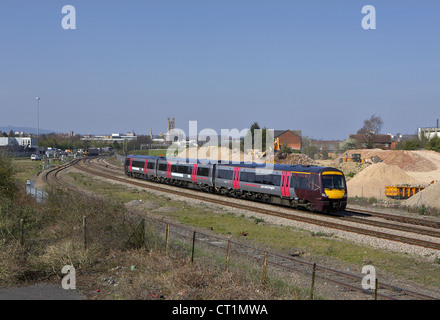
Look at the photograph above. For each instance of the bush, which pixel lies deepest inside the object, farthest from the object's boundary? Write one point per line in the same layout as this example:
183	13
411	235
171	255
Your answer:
8	182
433	144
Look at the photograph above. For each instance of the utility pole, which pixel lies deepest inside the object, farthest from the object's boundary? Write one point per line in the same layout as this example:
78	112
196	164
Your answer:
38	117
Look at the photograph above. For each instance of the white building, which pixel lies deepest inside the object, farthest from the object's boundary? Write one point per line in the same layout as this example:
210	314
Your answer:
26	142
429	133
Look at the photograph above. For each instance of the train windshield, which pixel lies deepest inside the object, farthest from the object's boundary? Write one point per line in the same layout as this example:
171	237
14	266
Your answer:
333	182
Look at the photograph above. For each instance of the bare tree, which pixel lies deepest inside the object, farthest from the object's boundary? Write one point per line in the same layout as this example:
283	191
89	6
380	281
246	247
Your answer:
371	127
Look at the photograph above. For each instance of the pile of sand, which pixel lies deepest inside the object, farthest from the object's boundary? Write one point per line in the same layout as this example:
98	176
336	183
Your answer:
351	169
404	159
371	181
429	197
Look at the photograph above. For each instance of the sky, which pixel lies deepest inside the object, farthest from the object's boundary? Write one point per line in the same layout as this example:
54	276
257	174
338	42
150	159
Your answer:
287	64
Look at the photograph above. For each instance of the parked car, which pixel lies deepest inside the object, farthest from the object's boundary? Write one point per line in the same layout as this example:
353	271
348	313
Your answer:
35	157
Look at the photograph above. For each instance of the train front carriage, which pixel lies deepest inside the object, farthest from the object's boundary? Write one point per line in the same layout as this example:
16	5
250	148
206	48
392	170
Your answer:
333	191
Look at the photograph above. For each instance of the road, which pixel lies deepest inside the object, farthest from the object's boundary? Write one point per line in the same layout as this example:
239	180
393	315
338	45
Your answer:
41	291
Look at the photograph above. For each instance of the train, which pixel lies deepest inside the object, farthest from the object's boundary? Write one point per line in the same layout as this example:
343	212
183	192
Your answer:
91	152
315	188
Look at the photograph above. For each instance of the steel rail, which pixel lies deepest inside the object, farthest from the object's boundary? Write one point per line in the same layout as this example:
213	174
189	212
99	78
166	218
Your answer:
289	216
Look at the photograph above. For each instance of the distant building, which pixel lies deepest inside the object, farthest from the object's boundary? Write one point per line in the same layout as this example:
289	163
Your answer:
381	141
23	142
118	137
289	138
172	134
331	146
429	133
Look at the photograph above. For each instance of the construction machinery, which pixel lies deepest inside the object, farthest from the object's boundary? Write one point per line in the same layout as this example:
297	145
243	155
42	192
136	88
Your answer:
405	191
357	157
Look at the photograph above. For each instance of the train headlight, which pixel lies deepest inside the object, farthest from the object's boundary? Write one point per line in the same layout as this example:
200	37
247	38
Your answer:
324	195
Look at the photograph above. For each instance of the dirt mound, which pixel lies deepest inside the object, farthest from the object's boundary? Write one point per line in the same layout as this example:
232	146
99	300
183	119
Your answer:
429	197
294	158
351	169
371	181
404	159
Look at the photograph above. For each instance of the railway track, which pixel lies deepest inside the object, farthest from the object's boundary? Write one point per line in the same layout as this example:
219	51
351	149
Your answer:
340	279
397	218
315	219
356	215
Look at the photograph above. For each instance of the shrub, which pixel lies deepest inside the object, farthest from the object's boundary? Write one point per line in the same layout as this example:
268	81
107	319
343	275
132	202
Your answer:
8	182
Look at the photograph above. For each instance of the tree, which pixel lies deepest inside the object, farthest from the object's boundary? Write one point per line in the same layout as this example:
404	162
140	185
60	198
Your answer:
311	151
250	135
347	145
371	127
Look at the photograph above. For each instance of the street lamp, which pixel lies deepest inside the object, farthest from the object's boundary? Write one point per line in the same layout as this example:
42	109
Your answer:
38	108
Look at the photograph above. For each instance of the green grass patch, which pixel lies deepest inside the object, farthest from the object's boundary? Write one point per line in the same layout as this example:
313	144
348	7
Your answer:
324	246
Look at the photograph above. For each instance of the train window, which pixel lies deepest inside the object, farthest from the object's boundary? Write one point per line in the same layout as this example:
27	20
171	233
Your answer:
184	169
204	172
127	161
301	182
225	174
150	165
332	182
163	166
247	176
275	179
138	164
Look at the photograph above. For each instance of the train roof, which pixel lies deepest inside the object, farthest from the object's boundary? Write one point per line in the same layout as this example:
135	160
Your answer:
283	167
186	160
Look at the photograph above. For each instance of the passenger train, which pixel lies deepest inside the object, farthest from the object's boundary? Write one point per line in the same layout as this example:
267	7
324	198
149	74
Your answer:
319	189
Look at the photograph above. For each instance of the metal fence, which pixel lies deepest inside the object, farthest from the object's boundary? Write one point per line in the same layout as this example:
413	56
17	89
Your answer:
308	280
305	279
40	195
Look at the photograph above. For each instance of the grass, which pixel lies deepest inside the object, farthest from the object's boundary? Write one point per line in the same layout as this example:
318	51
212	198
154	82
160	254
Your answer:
322	247
57	227
26	168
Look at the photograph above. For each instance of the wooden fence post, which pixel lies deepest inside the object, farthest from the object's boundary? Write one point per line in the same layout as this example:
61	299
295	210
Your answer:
313	281
167	238
143	228
264	267
375	290
227	256
21	232
193	245
84	233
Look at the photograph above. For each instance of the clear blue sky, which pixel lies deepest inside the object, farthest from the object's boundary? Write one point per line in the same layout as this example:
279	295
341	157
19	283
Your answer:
302	65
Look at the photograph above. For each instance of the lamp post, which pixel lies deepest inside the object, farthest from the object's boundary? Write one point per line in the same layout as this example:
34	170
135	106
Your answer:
38	116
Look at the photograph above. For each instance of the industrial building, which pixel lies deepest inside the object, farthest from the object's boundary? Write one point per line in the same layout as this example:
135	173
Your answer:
23	142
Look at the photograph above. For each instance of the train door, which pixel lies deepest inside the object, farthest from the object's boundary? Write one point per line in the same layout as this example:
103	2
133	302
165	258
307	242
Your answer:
145	166
236	178
169	170
194	172
285	183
